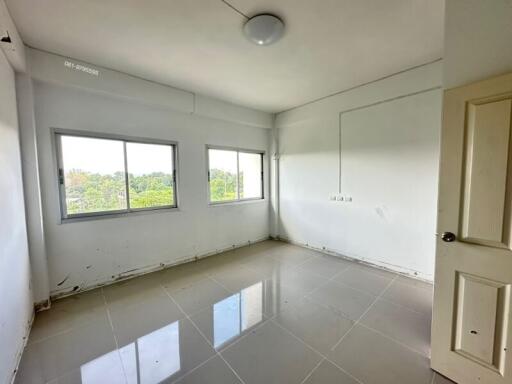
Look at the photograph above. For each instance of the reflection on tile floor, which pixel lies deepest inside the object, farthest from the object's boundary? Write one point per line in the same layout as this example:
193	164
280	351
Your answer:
267	313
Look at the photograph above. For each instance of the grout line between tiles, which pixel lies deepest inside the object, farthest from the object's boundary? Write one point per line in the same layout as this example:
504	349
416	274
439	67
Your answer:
63	332
312	371
339	273
361	324
116	341
283	267
230	367
348	331
324	357
59	333
246	334
217	353
354	288
222	285
357	322
395	340
407	308
364	313
195	368
380	296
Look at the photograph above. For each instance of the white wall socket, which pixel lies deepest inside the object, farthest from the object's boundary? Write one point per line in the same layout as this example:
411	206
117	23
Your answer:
341	198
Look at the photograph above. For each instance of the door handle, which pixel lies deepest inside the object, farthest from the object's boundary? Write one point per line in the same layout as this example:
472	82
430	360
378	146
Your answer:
448	237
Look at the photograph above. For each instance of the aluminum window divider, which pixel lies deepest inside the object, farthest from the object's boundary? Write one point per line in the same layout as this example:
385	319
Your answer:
238	175
126	181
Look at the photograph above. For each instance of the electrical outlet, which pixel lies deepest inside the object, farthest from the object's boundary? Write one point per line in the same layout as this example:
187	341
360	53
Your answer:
339	198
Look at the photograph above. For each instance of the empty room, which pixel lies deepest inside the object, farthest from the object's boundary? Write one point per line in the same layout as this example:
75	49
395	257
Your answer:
255	191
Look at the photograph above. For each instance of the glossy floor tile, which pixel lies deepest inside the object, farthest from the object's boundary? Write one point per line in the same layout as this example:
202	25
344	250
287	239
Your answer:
401	324
364	280
199	295
415	295
271	355
328	373
165	354
316	325
55	356
439	379
237	278
349	302
214	371
228	319
376	359
67	314
267	313
325	266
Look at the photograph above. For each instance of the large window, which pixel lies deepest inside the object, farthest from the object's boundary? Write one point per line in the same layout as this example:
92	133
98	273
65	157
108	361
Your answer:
234	175
103	175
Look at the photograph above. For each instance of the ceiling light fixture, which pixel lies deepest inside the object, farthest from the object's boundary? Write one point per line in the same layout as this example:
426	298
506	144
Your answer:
264	29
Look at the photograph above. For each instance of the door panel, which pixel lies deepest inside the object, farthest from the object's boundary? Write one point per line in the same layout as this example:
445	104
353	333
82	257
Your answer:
485	182
481	307
471	329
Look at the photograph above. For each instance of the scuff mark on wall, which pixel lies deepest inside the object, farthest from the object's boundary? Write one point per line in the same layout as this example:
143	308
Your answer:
63	281
93	284
381	212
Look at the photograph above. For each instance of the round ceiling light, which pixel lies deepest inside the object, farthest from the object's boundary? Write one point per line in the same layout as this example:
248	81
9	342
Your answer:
264	29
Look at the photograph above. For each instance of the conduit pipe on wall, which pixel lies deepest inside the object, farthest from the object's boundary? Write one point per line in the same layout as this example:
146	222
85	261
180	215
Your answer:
274	180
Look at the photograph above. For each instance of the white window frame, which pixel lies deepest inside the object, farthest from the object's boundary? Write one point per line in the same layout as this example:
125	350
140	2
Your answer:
65	217
238	151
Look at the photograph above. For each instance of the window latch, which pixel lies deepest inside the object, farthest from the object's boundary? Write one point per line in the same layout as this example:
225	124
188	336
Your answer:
61	176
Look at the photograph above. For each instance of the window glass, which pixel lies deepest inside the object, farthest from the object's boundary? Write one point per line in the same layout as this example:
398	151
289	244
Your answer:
250	175
95	172
223	175
94	176
234	175
150	175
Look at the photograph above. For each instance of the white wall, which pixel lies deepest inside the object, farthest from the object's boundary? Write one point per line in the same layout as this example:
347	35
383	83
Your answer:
94	252
478	36
389	166
16	311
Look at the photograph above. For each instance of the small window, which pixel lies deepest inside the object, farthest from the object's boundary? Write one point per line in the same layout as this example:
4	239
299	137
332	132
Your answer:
103	175
234	175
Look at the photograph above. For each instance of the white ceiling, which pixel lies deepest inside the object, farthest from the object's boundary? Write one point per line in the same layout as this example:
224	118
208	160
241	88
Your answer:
198	45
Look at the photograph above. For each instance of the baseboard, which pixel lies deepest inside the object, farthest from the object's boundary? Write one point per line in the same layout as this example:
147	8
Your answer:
385	267
42	305
19	353
148	269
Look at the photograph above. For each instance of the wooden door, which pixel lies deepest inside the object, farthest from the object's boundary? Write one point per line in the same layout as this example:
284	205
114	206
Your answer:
471	329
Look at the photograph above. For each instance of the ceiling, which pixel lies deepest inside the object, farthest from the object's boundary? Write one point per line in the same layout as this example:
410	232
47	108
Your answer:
198	45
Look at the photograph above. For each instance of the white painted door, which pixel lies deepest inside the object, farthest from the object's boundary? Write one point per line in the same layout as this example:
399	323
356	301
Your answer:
471	330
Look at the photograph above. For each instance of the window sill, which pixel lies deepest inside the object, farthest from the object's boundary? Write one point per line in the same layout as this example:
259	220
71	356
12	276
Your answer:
116	215
236	202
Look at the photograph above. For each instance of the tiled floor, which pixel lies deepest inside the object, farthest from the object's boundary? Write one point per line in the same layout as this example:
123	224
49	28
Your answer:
268	313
